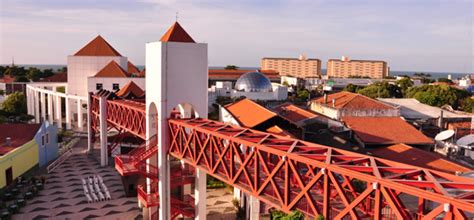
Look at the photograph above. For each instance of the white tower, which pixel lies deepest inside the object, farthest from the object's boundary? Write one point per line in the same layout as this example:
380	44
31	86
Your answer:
176	78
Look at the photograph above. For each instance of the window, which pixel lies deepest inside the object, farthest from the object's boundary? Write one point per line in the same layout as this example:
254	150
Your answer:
98	86
42	140
115	86
47	138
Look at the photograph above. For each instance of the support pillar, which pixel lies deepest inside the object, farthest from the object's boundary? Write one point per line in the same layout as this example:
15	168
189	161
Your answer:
89	125
68	113
79	115
43	106
200	194
254	205
103	131
163	166
50	109
58	112
37	110
28	101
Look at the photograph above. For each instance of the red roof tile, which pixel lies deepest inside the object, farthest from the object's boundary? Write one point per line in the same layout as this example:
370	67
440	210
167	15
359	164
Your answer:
176	33
349	100
112	70
58	77
132	69
385	130
279	131
293	113
130	89
249	113
7	79
98	47
406	154
20	134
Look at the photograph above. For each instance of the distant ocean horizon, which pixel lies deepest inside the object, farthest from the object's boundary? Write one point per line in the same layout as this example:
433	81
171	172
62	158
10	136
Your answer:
434	75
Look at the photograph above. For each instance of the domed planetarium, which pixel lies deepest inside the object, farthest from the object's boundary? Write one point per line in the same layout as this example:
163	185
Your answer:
253	85
253	82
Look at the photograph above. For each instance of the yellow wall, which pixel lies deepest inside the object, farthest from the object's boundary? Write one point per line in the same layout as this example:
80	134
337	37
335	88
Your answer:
20	159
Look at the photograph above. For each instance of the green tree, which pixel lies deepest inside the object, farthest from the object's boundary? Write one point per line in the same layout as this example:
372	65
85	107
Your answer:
445	80
21	79
302	94
231	67
381	90
404	84
438	95
352	88
468	104
15	104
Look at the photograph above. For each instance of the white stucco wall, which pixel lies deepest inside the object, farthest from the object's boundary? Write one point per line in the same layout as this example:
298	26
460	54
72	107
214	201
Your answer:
107	82
82	67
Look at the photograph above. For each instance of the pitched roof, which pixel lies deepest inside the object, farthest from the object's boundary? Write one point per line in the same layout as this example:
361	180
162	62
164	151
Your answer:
131	89
97	47
410	155
131	68
248	113
176	33
293	113
279	131
7	79
19	133
385	130
112	69
349	100
58	77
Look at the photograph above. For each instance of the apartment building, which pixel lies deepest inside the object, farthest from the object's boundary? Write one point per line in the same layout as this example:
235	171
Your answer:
299	67
346	68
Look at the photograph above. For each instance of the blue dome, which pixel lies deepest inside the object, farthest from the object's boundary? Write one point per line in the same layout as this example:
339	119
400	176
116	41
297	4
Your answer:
253	82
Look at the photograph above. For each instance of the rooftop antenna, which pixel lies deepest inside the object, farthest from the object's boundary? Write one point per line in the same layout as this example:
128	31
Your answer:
13	61
177	16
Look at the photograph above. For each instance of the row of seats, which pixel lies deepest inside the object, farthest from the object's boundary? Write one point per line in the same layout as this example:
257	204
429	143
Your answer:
94	189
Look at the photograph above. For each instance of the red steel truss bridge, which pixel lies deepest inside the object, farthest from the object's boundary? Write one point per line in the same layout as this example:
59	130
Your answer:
291	174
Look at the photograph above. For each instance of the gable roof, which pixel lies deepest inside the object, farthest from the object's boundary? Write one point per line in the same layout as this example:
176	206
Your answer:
349	100
385	130
97	47
410	155
20	134
112	69
7	79
279	131
248	113
293	113
132	69
131	90
176	33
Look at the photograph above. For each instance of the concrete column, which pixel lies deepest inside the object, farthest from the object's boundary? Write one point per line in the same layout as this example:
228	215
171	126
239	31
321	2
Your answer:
89	125
163	166
103	131
58	112
28	101
79	114
43	106
254	205
68	113
186	188
200	194
37	110
50	109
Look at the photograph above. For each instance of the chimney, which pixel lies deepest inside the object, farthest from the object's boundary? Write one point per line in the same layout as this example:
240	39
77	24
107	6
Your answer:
333	103
8	141
440	120
325	98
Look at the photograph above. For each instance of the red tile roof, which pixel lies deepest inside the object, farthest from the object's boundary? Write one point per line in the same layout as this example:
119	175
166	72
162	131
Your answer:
406	154
130	89
98	47
20	134
385	130
279	131
349	100
112	70
249	113
293	113
58	77
176	33
7	79
132	68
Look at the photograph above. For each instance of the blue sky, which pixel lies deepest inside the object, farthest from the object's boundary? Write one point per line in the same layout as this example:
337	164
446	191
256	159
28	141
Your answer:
424	35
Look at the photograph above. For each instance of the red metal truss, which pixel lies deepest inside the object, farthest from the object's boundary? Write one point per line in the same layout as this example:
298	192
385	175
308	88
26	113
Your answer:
126	115
291	174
